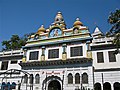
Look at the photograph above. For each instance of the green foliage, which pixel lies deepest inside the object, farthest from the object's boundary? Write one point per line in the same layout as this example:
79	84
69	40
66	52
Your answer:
15	42
114	20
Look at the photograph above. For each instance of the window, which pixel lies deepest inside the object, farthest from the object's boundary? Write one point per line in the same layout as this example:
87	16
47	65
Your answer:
112	57
70	78
76	51
37	79
4	65
97	86
25	78
13	86
33	55
100	58
84	78
54	53
14	62
77	78
31	79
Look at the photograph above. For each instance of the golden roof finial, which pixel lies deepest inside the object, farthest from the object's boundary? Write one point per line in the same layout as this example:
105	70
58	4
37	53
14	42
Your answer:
59	17
41	30
77	22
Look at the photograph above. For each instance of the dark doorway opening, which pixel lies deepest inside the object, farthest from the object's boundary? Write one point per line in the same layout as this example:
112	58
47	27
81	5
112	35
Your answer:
106	86
97	86
54	85
116	86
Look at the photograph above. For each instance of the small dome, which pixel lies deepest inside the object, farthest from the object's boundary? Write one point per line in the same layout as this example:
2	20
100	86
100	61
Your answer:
59	17
77	22
41	30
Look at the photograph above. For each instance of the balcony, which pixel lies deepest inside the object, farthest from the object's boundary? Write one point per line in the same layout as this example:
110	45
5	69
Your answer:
107	40
11	53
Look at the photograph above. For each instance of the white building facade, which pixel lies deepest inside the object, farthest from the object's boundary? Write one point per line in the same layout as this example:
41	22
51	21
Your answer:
61	58
106	63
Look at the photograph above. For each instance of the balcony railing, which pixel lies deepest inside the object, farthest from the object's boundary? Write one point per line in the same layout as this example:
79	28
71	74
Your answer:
103	40
11	52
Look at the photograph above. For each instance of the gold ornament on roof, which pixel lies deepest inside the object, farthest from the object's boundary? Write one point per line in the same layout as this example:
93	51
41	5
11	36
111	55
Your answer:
59	17
77	22
41	30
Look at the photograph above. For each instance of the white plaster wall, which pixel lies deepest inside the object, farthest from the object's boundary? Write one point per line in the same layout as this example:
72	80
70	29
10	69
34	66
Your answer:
14	66
106	64
66	86
108	76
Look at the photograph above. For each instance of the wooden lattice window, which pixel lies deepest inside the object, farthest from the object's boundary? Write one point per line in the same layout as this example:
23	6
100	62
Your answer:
31	79
53	53
112	57
76	51
84	78
70	78
100	57
37	79
77	78
34	55
26	78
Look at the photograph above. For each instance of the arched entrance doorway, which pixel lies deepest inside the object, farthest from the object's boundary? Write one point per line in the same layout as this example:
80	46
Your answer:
106	86
116	86
97	86
54	85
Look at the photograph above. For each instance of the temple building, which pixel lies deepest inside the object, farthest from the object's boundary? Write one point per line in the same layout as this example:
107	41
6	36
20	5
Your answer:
61	58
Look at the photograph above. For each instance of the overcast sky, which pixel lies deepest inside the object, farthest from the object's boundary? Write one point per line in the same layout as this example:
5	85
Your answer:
26	16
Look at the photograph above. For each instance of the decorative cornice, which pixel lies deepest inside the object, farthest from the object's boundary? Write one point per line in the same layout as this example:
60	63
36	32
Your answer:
58	42
56	62
100	47
11	57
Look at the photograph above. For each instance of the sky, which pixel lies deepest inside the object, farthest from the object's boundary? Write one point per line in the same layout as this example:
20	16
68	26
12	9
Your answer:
25	16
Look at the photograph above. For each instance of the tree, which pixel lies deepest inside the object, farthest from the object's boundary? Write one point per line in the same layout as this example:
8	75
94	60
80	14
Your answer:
6	44
114	20
15	42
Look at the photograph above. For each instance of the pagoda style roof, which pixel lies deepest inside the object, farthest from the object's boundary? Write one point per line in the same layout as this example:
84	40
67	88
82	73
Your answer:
58	63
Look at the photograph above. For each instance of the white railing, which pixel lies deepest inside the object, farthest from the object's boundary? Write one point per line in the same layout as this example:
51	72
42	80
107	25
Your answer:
11	52
103	40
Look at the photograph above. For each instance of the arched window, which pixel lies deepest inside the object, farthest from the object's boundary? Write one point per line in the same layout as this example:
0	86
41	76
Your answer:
84	78
116	86
26	78
77	78
37	79
106	86
13	85
70	78
31	78
97	86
